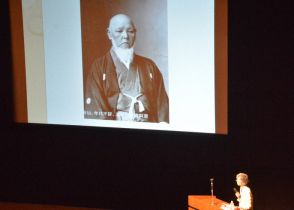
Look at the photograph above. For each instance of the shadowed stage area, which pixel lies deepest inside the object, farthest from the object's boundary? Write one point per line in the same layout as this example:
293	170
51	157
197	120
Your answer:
25	206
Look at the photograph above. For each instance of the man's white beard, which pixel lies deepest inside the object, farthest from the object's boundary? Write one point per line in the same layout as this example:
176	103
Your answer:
124	55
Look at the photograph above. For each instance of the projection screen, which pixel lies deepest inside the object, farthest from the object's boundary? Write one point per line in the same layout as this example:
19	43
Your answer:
57	42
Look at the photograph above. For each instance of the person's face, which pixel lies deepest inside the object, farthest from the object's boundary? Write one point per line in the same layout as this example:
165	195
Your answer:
239	181
122	32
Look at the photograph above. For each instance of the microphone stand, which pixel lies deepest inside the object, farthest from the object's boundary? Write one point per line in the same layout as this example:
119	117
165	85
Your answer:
212	198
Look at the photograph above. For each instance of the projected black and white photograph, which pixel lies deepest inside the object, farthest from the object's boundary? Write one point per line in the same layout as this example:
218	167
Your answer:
155	65
125	60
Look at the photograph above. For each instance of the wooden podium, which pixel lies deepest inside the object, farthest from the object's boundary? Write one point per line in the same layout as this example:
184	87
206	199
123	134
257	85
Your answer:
204	202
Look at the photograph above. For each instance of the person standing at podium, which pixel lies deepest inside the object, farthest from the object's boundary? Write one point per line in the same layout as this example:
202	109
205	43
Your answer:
244	196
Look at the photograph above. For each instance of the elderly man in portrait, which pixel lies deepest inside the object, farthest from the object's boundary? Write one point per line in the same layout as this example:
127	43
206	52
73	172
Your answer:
122	85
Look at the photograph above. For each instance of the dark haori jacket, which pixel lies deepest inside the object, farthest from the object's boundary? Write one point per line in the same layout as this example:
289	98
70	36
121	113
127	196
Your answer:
102	90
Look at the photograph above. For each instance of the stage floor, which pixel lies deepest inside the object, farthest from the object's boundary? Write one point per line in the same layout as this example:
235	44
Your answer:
24	206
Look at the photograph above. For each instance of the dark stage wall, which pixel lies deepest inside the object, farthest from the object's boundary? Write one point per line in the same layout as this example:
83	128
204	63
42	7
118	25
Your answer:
133	169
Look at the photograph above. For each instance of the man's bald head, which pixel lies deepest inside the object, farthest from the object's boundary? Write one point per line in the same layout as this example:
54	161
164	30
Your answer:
120	19
121	31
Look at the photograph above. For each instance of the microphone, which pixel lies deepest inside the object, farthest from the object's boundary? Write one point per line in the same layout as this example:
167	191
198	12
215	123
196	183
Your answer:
211	180
235	190
211	184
